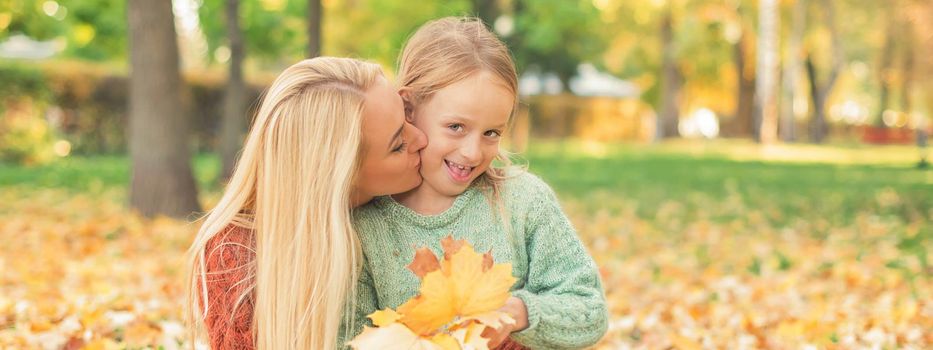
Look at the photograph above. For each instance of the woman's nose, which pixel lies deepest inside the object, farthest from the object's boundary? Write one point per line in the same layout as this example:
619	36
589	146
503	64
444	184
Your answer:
419	140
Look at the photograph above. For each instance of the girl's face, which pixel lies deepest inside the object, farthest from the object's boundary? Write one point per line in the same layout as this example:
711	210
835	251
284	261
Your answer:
463	123
390	160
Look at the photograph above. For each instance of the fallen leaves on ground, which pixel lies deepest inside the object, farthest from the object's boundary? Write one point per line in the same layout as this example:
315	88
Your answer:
82	272
754	283
78	271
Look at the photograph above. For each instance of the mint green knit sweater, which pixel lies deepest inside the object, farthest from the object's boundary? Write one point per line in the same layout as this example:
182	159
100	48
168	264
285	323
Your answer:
557	279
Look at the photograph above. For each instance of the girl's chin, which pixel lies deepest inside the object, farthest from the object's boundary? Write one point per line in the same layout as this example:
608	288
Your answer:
445	187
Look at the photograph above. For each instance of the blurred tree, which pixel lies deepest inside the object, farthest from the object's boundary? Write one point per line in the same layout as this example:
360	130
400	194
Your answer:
274	31
907	68
314	28
820	90
903	32
487	10
703	37
745	84
885	71
161	182
745	122
792	66
233	125
377	29
555	36
89	29
28	17
671	79
97	29
633	50
767	70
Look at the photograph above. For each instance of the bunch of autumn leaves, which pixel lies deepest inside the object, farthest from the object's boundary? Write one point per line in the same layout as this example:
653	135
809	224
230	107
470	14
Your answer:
459	297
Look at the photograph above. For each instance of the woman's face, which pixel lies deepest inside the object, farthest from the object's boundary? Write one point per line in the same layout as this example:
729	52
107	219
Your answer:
390	158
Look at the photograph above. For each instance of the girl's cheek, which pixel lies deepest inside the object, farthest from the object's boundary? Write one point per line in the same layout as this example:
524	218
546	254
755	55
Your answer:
487	161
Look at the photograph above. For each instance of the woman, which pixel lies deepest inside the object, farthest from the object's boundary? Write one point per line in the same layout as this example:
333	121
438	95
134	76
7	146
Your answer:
275	260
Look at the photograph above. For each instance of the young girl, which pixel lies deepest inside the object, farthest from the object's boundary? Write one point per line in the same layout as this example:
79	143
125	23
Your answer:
460	88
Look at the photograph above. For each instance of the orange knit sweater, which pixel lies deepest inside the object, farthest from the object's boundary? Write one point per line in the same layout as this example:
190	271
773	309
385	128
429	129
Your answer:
229	326
229	256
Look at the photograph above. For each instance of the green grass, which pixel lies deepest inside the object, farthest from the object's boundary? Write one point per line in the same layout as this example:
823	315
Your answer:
95	173
717	185
718	181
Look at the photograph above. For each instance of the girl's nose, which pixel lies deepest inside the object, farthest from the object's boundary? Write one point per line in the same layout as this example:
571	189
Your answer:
470	150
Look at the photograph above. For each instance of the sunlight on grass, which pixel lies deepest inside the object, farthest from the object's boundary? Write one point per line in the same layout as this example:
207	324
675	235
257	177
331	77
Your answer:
743	150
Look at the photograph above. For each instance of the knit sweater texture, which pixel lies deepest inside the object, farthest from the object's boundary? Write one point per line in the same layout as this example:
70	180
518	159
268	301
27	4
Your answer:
229	257
557	278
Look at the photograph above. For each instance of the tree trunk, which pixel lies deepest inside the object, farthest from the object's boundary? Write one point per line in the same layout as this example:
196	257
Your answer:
516	39
670	81
908	70
486	10
161	181
233	125
818	120
792	72
820	92
745	103
769	25
908	52
884	69
314	28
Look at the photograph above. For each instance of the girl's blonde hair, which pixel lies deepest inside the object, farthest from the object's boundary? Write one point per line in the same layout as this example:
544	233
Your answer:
291	190
448	50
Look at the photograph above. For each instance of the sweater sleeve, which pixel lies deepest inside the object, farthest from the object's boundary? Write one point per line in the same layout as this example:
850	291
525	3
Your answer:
563	293
229	319
364	303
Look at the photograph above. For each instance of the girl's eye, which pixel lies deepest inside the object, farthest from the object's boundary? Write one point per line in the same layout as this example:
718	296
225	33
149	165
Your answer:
400	147
455	127
493	133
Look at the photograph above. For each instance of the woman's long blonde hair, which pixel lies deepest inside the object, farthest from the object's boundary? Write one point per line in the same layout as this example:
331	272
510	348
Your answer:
291	189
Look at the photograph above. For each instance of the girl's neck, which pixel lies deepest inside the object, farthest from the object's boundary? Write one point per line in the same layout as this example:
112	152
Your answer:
425	200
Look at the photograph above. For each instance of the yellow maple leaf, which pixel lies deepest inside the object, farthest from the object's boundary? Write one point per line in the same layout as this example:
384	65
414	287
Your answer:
464	286
471	336
384	317
494	319
459	297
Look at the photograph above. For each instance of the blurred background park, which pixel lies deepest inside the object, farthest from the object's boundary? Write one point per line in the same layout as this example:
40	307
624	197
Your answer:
747	173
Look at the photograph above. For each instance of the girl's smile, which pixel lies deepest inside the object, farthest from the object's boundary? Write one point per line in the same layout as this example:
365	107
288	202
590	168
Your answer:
459	173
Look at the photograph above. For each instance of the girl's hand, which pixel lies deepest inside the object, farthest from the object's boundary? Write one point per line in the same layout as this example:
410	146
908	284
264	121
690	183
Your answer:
515	307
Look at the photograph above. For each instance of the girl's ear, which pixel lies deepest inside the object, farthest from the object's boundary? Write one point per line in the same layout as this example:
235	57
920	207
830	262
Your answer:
406	94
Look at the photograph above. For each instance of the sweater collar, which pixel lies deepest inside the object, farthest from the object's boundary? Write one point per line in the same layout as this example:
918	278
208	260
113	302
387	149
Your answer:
396	211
